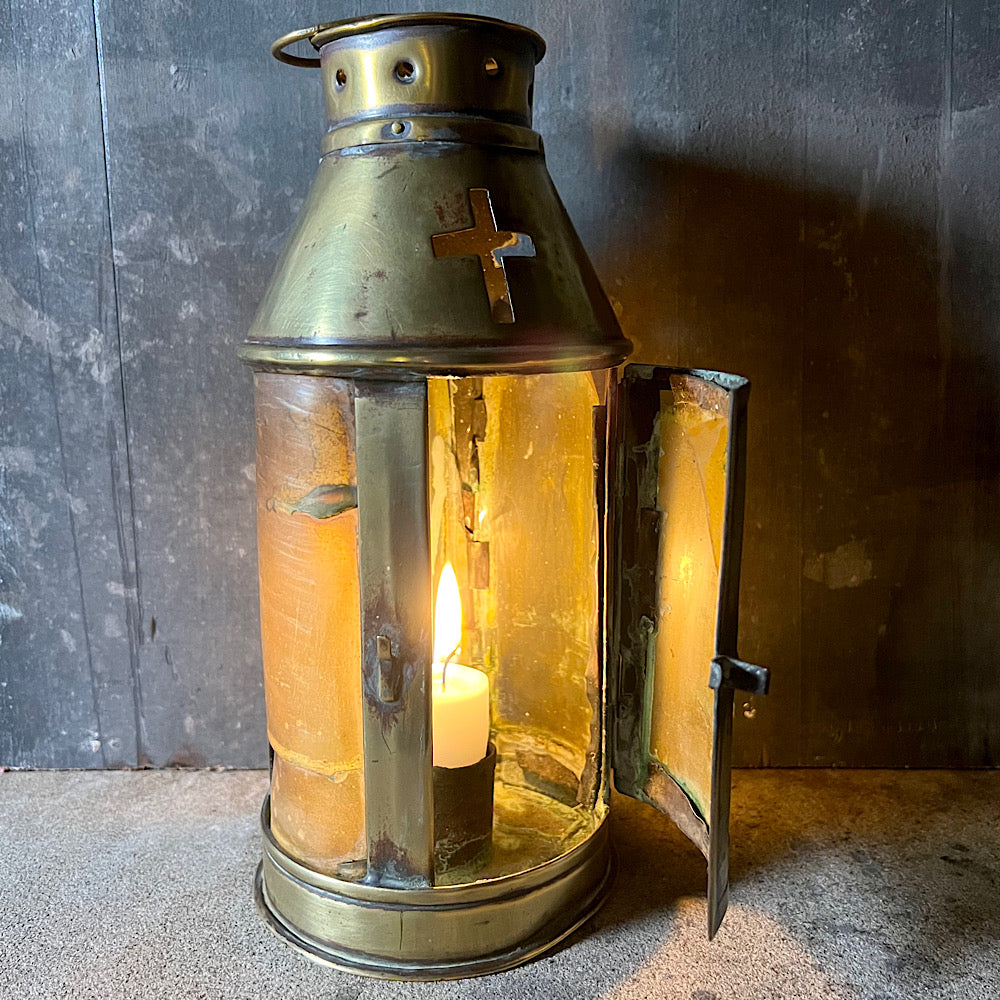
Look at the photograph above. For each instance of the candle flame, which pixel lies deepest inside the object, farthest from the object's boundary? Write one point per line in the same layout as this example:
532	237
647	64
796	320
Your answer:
447	616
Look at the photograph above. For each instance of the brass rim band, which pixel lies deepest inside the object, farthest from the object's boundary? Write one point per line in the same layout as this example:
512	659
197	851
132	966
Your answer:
371	361
430	128
484	926
320	34
465	894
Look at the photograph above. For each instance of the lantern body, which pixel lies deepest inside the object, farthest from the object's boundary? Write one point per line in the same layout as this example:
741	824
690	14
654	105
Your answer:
437	390
514	485
513	490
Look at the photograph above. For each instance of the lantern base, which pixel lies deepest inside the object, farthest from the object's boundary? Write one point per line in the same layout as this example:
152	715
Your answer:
445	932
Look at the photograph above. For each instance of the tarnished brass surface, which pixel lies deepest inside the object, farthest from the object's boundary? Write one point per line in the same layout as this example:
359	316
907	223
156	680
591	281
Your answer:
430	128
444	932
433	243
359	288
478	68
422	111
395	578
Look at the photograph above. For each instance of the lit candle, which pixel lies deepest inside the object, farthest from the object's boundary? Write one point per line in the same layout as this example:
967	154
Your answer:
460	695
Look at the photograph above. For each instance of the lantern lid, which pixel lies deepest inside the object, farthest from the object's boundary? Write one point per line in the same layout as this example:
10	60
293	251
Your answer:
432	240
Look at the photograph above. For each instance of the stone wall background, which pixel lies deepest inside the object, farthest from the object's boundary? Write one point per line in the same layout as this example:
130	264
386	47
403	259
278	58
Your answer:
805	193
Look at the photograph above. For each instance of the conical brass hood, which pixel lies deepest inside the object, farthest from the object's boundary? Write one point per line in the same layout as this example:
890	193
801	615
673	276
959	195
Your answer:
432	240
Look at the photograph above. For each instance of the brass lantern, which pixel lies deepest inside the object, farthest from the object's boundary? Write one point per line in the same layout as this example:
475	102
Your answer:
494	565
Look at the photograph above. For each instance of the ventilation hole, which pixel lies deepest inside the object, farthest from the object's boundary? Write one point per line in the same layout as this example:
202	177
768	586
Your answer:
492	67
405	71
341	78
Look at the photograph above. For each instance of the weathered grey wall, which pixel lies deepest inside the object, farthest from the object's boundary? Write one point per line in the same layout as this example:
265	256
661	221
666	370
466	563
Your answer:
806	193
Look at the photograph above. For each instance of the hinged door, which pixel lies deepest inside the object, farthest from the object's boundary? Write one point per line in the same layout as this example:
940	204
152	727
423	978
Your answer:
675	552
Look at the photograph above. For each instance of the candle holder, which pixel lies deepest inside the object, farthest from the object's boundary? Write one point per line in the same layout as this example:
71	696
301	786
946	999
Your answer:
463	819
438	380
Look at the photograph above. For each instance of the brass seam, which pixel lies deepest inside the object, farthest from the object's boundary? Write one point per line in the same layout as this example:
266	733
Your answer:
330	358
424	129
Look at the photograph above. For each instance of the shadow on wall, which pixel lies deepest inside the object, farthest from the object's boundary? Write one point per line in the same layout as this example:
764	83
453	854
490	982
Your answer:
872	548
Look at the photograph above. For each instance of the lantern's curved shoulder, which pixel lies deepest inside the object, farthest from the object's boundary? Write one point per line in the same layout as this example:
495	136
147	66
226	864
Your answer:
679	469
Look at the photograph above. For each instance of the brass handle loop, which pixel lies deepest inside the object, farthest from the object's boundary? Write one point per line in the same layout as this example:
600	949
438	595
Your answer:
279	45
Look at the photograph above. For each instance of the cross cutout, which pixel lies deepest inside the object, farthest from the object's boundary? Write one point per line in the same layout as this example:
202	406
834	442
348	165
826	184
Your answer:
490	245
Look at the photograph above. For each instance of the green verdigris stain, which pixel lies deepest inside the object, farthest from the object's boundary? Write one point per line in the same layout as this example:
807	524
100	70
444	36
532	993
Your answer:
324	501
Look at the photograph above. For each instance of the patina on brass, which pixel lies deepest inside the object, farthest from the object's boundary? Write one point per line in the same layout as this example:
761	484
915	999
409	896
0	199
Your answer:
446	932
395	578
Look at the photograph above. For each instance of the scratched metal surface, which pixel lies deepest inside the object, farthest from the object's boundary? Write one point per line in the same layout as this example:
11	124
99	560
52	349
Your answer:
804	193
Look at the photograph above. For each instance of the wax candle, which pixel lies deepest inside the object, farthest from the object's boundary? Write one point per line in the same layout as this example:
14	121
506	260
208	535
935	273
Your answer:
460	695
461	715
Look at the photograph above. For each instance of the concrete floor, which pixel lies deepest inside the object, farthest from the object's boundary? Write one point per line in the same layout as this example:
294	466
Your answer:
873	885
